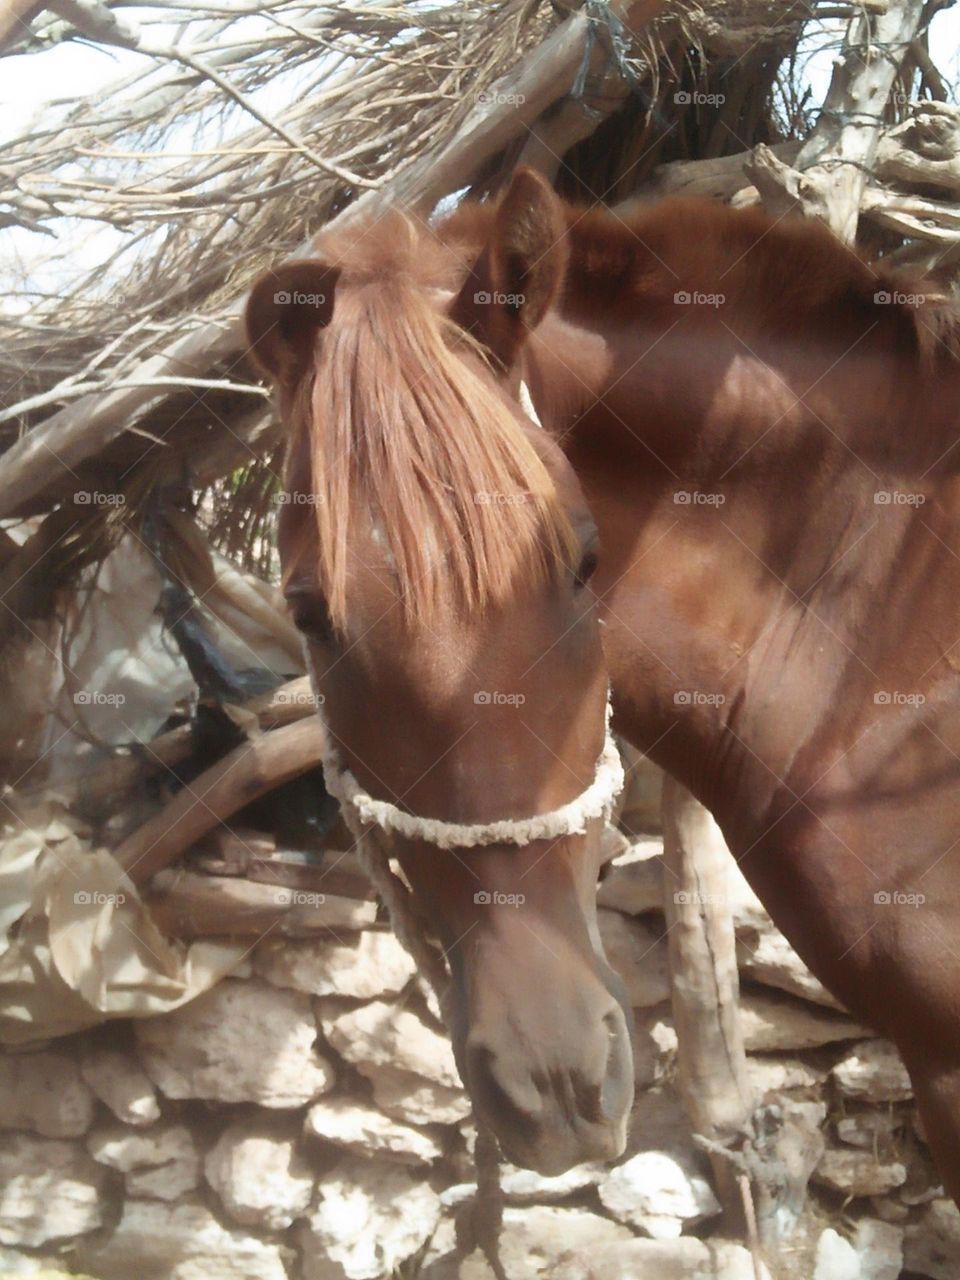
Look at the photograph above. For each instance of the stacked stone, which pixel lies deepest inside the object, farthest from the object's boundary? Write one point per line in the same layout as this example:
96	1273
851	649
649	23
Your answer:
304	1121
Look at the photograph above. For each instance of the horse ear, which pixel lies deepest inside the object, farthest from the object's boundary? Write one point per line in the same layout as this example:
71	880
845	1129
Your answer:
286	308
519	274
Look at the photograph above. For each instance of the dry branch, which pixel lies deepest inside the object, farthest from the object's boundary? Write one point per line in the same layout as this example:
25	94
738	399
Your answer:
188	906
829	175
518	99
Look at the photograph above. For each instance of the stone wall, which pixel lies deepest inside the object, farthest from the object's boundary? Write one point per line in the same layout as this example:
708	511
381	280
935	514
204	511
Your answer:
304	1121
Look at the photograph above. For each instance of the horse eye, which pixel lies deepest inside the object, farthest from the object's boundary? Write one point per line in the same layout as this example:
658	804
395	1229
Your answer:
586	568
309	615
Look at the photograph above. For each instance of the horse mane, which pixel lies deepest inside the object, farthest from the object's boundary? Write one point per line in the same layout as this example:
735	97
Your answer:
405	419
778	271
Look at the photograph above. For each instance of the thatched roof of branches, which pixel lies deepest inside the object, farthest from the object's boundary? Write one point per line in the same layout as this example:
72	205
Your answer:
242	129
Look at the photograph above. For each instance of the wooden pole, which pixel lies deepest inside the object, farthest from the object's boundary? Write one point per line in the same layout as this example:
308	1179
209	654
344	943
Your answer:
706	986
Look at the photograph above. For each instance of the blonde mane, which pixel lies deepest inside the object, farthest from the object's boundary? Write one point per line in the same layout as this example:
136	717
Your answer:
405	421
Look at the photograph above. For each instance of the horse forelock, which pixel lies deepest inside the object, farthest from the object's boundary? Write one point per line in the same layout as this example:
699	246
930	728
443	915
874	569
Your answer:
407	431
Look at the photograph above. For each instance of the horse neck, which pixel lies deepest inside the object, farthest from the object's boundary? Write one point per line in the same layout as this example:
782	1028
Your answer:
732	620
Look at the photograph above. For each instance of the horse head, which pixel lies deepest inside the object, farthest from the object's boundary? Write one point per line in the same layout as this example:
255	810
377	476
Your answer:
437	551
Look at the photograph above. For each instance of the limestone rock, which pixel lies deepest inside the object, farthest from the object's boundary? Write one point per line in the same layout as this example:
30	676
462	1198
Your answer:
370	964
634	883
932	1244
639	806
613	843
158	1241
684	1259
382	1034
162	1162
879	1247
413	1100
654	1044
368	1219
535	1239
774	1022
765	956
890	1210
873	1072
260	1176
659	1193
44	1092
524	1186
367	1131
836	1258
14	1263
49	1190
659	1122
239	1042
120	1083
777	1074
870	1130
858	1173
638	953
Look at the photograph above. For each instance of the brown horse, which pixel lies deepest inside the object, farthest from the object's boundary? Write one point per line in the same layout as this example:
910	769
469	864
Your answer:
762	426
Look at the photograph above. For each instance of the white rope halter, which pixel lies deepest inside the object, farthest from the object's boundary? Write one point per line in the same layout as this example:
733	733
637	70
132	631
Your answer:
570	819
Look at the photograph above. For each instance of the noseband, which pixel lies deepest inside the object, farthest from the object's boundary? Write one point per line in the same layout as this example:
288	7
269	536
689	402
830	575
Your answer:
362	812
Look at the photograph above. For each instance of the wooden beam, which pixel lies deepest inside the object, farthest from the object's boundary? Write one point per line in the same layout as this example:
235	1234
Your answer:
711	1059
244	774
